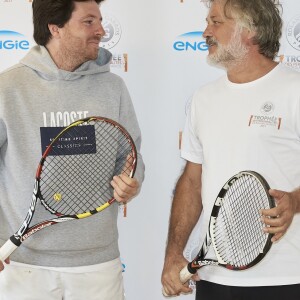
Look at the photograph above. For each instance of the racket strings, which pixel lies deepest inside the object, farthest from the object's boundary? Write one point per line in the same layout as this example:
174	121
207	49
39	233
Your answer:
78	183
239	230
87	187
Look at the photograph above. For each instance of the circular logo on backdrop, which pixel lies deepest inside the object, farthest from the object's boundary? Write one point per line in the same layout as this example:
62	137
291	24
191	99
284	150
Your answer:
113	32
293	32
267	107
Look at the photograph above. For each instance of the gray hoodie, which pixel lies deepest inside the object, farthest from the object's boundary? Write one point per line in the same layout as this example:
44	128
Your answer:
35	94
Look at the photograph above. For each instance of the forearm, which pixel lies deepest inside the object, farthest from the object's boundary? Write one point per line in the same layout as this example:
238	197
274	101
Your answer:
185	211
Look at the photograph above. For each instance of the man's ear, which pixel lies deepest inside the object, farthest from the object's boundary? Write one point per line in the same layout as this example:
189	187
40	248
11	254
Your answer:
251	34
54	30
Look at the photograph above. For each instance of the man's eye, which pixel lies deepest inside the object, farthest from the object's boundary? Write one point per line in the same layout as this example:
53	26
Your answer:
89	22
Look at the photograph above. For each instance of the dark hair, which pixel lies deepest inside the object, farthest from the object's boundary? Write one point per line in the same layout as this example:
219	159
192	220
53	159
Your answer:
46	12
260	16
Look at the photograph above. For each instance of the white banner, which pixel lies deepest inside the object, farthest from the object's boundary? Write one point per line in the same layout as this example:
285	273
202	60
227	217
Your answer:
159	50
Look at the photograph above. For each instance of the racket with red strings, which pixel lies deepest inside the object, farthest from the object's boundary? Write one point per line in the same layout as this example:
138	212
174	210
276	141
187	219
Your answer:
74	174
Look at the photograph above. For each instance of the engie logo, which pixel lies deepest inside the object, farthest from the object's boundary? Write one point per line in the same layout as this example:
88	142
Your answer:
191	41
11	40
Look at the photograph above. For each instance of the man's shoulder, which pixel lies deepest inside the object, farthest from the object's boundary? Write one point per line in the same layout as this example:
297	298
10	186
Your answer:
110	77
288	71
289	78
11	71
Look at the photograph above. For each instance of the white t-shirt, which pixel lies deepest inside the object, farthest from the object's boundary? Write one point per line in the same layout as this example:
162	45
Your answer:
252	126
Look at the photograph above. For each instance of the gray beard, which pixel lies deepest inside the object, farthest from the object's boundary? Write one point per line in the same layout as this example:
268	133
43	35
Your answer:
231	55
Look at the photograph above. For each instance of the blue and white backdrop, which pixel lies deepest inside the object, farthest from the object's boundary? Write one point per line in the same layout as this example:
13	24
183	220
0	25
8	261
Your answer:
158	49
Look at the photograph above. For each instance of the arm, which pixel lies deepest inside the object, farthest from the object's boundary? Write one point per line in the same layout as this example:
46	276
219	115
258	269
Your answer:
3	138
185	212
3	134
126	188
287	205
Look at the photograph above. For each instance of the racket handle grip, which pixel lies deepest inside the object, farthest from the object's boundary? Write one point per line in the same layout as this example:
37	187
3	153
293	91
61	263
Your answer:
7	249
165	293
185	275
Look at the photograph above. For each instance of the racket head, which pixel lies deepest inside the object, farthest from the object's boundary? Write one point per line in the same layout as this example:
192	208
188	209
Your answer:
77	167
236	229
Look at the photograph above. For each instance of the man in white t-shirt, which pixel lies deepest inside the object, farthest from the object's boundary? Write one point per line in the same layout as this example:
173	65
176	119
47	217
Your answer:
246	120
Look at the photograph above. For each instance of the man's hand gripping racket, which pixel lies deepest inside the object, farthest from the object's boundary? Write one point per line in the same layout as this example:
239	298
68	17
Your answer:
73	178
235	229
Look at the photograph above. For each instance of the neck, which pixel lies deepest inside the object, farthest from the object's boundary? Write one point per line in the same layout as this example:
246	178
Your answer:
62	60
252	68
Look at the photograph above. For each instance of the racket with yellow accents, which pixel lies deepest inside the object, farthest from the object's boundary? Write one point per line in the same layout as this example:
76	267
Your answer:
74	174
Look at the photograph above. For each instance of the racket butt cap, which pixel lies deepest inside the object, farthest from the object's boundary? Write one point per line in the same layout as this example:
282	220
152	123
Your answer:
7	249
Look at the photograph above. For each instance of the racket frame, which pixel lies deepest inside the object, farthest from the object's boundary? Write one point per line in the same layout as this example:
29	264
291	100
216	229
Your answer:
25	231
199	261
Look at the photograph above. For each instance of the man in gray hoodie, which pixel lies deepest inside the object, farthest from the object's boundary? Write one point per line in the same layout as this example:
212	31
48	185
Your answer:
64	78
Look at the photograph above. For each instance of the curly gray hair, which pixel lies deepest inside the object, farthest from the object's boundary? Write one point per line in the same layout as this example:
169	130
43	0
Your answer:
260	16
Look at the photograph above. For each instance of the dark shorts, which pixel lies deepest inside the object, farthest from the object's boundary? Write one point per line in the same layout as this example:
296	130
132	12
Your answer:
211	291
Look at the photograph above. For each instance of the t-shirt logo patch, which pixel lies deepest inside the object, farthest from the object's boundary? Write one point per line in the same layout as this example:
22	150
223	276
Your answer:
265	119
267	108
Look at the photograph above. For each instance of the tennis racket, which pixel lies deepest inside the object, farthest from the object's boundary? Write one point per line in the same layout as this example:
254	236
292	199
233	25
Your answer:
235	228
74	174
